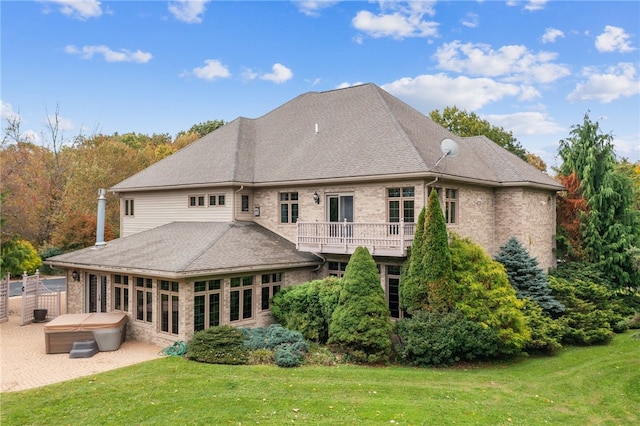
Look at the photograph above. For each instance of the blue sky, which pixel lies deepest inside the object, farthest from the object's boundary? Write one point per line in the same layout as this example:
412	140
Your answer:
532	67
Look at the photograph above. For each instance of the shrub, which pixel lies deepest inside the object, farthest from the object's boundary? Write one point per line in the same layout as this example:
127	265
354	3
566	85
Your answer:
634	322
320	355
261	356
308	307
435	339
484	295
218	345
361	324
46	253
546	333
287	347
589	318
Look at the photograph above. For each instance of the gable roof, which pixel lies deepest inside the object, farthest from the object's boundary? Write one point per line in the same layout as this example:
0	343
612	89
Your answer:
191	249
356	132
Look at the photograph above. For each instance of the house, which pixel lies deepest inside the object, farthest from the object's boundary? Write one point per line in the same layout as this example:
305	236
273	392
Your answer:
212	232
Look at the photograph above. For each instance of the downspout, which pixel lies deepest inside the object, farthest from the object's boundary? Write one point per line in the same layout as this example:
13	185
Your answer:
427	186
234	201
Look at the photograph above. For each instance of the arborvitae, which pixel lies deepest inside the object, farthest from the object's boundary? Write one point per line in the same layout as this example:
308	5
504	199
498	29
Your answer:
527	278
361	323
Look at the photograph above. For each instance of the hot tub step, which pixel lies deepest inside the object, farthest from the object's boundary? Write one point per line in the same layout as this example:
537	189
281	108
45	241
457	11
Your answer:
84	349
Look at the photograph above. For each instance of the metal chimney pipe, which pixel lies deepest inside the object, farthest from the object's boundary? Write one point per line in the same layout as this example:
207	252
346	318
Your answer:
102	202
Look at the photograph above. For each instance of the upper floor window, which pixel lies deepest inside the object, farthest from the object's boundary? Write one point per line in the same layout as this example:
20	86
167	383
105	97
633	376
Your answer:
196	201
128	207
216	200
288	207
449	204
245	203
401	204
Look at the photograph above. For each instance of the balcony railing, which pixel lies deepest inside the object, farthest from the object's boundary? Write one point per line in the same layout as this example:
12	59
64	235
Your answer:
382	239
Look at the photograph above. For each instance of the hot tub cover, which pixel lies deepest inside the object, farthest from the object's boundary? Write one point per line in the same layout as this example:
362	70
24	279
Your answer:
86	322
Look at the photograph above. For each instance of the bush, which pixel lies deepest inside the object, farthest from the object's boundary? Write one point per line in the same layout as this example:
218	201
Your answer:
546	333
361	324
589	318
218	345
308	307
261	357
46	253
436	339
287	347
484	295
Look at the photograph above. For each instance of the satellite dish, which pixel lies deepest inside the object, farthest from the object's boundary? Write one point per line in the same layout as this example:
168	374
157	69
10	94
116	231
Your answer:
449	148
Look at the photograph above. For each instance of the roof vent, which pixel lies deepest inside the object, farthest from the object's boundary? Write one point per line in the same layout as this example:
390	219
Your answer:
316	128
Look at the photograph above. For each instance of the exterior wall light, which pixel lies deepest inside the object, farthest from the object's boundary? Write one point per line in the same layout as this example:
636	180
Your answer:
75	275
316	197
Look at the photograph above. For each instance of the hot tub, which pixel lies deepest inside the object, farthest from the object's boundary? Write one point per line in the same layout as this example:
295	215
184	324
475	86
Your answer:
108	329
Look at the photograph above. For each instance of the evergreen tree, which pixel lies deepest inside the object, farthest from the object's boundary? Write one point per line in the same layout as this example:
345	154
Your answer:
609	224
427	282
527	278
361	324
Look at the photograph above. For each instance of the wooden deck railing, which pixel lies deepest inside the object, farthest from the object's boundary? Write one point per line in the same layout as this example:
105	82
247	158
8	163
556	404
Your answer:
382	239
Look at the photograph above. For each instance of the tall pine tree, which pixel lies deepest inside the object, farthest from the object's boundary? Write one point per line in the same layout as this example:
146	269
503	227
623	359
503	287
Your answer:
609	225
527	278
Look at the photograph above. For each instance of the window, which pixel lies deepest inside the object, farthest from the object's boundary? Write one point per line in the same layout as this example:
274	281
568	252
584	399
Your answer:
121	293
240	298
288	207
336	269
196	200
144	299
450	204
128	207
393	291
206	304
271	284
169	306
401	206
216	199
245	203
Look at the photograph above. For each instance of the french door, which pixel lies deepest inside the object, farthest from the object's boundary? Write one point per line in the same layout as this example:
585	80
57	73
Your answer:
97	293
340	211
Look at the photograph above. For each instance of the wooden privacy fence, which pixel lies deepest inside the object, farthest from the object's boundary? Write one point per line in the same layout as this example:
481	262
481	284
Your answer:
4	299
35	295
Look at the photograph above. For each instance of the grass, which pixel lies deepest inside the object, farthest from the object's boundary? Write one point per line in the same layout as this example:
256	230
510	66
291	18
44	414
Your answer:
582	385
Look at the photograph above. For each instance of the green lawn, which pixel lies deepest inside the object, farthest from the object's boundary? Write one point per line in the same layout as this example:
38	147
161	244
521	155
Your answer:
580	386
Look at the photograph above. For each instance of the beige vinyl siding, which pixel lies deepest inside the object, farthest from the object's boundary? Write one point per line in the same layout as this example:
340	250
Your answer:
153	209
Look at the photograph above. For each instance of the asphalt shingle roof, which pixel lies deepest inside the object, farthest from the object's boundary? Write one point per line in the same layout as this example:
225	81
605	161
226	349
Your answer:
192	249
362	131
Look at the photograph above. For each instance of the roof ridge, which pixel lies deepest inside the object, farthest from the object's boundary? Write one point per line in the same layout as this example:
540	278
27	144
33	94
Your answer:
407	140
206	247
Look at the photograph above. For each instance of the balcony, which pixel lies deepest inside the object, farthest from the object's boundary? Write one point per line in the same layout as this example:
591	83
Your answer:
381	239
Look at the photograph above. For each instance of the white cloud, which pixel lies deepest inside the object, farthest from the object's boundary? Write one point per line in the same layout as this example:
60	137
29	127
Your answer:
551	35
7	112
79	9
124	55
525	123
313	8
470	20
514	62
189	11
347	84
617	81
613	39
61	122
279	75
405	20
534	5
628	147
428	92
212	69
